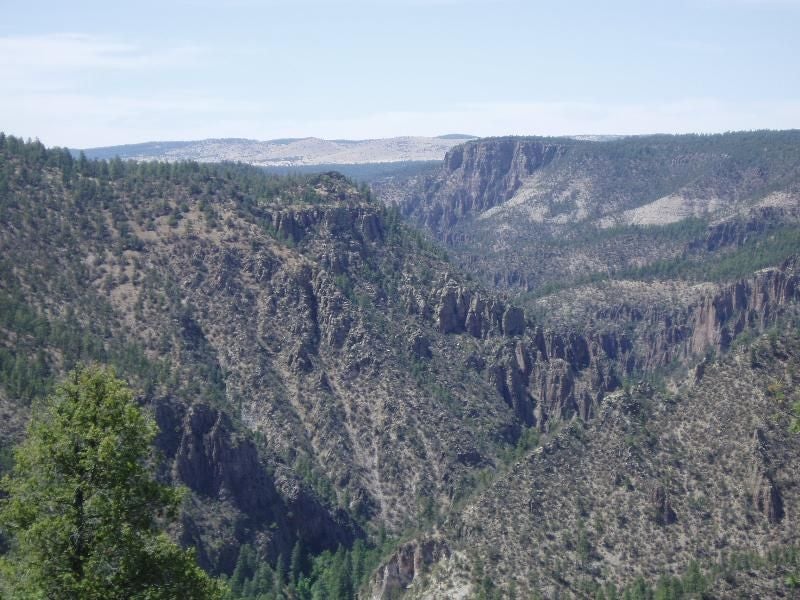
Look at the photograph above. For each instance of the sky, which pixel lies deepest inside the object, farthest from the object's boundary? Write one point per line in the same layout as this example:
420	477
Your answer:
83	74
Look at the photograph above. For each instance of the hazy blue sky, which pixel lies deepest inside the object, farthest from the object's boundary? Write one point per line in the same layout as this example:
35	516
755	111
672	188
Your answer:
98	73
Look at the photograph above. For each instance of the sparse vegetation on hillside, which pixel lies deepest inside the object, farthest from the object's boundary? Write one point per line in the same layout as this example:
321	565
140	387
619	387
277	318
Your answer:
764	251
643	501
325	378
267	316
534	214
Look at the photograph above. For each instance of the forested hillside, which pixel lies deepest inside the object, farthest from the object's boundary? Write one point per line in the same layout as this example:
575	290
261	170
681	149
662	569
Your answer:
533	213
289	334
352	414
689	492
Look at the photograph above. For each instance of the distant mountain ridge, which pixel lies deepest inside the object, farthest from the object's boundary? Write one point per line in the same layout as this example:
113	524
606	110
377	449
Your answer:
288	152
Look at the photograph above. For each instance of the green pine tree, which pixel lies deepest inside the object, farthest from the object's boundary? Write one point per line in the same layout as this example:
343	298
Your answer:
83	508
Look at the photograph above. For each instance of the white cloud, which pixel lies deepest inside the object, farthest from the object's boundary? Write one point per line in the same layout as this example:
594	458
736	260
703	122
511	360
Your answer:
43	93
83	120
57	87
72	51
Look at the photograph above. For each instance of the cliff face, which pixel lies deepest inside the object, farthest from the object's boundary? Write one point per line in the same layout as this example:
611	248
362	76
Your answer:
719	319
711	323
654	482
528	212
567	374
407	564
223	467
737	232
550	375
477	176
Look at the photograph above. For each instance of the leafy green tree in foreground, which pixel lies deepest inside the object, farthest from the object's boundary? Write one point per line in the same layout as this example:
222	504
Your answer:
82	507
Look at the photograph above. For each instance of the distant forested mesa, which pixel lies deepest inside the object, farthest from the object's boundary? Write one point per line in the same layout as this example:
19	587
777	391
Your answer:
543	401
531	213
364	171
373	155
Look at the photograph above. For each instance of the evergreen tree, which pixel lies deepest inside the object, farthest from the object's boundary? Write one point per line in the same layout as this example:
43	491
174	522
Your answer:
280	573
296	564
245	569
82	504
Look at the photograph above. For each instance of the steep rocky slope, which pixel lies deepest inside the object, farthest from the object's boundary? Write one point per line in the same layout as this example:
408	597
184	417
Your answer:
321	372
669	323
527	212
317	368
655	482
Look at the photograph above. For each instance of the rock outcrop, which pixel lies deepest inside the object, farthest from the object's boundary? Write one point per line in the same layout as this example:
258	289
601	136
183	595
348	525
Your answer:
270	510
553	375
477	176
406	564
662	511
736	232
477	313
764	493
709	324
